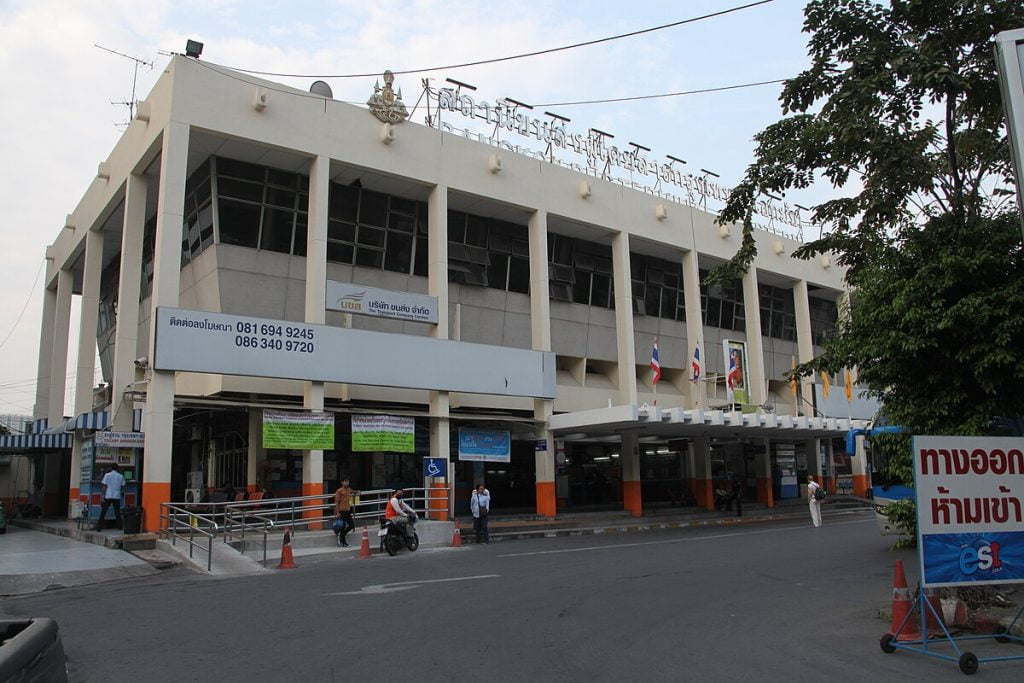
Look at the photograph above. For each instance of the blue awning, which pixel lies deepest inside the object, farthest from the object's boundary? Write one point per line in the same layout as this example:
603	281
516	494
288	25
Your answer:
36	442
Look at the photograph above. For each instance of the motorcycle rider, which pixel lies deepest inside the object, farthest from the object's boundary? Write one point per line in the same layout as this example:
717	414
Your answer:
398	512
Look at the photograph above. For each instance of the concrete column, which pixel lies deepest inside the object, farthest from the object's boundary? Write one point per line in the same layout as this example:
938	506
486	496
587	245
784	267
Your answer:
829	475
90	304
859	468
540	326
59	352
694	326
755	347
763	472
159	412
804	344
629	457
624	320
316	311
437	285
702	488
42	405
256	454
126	336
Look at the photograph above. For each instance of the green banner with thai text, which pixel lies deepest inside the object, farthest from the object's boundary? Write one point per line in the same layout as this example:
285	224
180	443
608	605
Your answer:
308	431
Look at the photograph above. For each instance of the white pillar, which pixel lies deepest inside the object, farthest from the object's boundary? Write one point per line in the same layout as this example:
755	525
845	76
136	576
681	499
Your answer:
804	345
540	326
755	347
59	353
437	285
316	307
694	326
90	303
629	458
159	412
256	453
126	334
42	406
703	491
624	320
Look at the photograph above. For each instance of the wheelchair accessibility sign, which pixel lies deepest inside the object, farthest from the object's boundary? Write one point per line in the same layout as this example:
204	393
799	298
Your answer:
433	467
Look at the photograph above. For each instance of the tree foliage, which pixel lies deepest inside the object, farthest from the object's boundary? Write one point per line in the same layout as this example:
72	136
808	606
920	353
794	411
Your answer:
900	111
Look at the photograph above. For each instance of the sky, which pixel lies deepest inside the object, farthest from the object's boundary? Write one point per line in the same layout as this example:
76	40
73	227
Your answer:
58	120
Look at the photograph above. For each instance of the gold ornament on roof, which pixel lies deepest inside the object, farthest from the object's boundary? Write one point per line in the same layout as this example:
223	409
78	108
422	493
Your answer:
385	104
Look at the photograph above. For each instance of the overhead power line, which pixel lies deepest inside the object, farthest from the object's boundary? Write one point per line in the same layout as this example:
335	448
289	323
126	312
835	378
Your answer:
31	292
653	97
535	53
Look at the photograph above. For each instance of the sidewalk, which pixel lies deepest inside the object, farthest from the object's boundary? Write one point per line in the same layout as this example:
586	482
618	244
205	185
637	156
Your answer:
514	527
33	561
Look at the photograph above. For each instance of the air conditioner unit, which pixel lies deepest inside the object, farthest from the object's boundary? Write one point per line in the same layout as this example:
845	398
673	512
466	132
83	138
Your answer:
194	480
193	496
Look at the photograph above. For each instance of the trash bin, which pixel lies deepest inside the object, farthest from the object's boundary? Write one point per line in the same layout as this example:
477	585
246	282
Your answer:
131	517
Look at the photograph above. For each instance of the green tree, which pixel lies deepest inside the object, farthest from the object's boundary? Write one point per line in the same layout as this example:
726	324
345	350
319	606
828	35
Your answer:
900	109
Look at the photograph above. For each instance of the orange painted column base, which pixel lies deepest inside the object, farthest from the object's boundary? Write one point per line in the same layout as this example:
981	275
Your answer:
73	494
860	485
632	500
546	502
314	489
703	493
437	505
764	492
154	494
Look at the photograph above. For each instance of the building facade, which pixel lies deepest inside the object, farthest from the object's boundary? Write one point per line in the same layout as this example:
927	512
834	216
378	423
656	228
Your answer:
237	197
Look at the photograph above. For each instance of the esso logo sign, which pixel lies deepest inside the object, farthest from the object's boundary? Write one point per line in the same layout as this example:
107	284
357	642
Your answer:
983	557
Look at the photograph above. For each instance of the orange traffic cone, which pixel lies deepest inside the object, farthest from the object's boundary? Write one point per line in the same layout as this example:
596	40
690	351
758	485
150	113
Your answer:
287	560
902	606
934	625
364	548
457	536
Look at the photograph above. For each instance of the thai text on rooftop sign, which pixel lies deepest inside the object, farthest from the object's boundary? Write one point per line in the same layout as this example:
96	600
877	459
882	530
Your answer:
970	516
510	118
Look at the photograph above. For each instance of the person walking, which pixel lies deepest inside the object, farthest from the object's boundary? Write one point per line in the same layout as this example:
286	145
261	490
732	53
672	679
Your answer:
737	495
113	483
343	510
814	500
480	506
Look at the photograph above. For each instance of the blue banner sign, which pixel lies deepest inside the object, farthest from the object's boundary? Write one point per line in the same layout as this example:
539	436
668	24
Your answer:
484	446
973	558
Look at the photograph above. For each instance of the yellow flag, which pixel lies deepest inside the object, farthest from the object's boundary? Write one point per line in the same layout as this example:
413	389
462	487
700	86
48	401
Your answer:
825	386
792	382
848	381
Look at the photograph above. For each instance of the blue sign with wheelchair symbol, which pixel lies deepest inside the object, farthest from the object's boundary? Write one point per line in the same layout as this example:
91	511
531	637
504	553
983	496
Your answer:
433	467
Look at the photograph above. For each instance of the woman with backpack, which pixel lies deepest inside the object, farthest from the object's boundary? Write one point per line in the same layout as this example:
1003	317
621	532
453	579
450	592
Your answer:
815	496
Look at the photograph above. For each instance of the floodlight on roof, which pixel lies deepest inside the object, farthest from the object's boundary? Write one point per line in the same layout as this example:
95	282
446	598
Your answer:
193	48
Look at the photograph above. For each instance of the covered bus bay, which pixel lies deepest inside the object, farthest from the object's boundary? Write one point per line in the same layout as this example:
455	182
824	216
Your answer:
644	456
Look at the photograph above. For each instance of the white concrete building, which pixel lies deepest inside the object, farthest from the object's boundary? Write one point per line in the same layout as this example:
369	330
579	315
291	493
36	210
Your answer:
236	196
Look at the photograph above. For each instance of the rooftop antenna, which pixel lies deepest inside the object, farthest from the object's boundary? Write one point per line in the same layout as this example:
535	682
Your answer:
135	79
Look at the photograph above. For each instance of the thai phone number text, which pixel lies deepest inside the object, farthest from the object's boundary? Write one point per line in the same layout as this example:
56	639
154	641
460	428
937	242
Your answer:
274	337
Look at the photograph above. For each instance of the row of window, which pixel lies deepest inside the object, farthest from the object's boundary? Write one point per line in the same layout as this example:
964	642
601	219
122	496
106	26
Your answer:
265	208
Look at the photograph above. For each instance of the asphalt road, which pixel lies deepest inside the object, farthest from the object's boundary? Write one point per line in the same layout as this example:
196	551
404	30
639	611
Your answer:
765	602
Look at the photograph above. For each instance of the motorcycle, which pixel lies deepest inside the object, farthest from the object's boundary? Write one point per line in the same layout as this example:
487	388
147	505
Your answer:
393	537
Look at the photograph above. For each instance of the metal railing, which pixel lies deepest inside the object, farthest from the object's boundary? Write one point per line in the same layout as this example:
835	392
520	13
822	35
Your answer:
175	519
237	518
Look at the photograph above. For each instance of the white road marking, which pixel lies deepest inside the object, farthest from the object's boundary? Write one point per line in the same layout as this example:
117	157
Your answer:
675	540
379	588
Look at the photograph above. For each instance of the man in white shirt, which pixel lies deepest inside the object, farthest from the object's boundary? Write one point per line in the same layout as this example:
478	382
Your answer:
113	484
480	506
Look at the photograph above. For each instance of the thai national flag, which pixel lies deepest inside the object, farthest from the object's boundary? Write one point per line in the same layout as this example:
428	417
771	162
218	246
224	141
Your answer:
655	363
695	365
733	377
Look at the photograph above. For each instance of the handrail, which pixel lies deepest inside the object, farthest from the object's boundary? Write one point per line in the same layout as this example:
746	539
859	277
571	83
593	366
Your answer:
169	518
230	521
298	512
